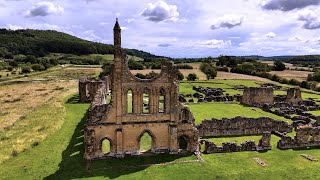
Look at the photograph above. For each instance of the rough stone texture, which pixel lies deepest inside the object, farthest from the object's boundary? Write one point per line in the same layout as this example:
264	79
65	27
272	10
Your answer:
210	147
264	142
294	96
254	96
241	126
88	88
124	129
306	136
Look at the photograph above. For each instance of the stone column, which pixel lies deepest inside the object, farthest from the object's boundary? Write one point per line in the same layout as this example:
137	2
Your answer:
119	144
173	139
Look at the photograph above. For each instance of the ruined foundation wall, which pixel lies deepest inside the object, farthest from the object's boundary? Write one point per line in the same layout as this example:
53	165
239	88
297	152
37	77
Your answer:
257	96
306	136
241	126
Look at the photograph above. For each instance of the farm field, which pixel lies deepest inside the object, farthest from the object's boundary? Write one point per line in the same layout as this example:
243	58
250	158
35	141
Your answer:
46	140
292	74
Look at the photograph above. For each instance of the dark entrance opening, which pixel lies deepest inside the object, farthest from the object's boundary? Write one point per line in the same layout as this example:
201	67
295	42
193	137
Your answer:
183	142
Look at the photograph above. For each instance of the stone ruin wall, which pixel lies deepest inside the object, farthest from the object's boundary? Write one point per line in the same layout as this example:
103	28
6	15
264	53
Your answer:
250	145
89	86
257	96
241	126
306	136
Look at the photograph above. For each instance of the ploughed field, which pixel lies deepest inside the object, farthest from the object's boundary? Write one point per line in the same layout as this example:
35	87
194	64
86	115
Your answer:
45	138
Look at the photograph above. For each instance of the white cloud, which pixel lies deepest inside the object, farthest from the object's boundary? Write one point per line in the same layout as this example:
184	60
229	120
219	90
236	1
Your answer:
161	11
214	43
14	27
310	19
90	36
287	5
270	35
130	20
228	21
44	9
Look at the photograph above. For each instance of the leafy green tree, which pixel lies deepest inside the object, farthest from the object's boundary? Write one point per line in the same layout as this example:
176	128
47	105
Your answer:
279	66
180	76
192	77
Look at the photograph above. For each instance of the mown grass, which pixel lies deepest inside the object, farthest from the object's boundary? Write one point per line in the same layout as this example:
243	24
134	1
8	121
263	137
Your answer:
220	110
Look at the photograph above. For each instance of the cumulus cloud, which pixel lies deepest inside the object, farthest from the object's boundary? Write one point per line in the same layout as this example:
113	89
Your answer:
229	21
44	9
160	11
14	27
164	45
310	19
287	5
215	43
90	36
270	35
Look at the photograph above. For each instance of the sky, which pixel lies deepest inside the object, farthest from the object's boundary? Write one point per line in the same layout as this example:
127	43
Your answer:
179	28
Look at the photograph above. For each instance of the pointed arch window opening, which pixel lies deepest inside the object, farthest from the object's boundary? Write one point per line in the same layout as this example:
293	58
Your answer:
162	101
129	101
146	101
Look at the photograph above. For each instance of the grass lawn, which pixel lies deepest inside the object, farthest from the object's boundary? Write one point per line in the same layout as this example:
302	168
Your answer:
220	110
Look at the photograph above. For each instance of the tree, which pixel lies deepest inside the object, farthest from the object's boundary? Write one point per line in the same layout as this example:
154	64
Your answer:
106	69
279	66
209	70
180	76
26	70
192	77
38	67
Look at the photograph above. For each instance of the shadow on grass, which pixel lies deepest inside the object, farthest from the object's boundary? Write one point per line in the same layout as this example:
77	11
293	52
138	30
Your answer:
73	164
73	100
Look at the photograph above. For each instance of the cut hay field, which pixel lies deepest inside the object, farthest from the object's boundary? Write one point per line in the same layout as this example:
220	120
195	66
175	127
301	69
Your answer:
291	74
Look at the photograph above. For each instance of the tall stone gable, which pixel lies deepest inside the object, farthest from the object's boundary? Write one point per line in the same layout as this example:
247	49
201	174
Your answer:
172	129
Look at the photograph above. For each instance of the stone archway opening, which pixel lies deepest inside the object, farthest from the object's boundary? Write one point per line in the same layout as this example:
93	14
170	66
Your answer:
146	142
183	143
106	146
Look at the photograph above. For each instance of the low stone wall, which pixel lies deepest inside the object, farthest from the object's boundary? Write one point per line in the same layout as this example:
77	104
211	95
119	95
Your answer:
241	126
306	136
250	145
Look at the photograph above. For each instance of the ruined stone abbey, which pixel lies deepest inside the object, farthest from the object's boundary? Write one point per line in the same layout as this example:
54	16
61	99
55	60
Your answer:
138	106
124	108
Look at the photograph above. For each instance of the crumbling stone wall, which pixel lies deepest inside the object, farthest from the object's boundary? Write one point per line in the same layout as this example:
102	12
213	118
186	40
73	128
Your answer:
250	145
241	126
306	136
172	129
294	96
88	88
257	96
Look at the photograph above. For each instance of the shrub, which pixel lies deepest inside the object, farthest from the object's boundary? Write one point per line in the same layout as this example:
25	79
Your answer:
38	67
184	66
279	66
209	70
294	82
192	77
224	69
26	70
284	81
9	68
180	76
14	153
